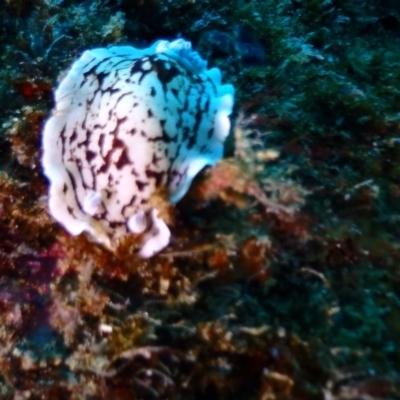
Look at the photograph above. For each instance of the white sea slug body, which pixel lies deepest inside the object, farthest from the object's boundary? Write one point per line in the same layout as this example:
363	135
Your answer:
126	123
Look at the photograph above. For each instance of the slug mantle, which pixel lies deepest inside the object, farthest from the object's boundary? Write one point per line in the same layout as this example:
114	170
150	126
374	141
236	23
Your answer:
126	123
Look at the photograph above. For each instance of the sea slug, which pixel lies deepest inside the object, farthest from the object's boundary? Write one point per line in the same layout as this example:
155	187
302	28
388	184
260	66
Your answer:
126	123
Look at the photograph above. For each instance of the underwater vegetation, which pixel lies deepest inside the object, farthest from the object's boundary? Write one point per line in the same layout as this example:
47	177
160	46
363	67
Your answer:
282	276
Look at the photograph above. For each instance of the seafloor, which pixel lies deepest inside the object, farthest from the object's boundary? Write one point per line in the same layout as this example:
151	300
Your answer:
282	280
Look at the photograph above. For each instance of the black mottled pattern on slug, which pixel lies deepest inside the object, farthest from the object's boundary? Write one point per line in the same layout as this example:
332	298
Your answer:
135	124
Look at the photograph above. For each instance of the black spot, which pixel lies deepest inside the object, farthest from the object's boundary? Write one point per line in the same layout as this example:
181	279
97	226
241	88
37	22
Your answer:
73	183
133	172
175	92
120	121
137	69
90	155
185	134
118	143
107	162
164	137
123	95
101	141
123	159
98	126
132	202
100	216
133	199
149	113
157	175
101	76
93	69
102	169
72	179
165	75
141	185
84	143
192	139
72	137
153	91
207	105
155	159
186	104
111	91
179	147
